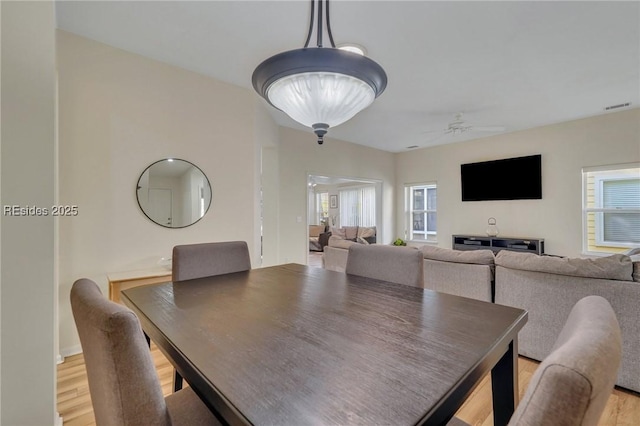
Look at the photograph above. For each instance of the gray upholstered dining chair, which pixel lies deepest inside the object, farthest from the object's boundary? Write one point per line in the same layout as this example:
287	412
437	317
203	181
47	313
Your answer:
191	261
123	383
401	265
572	384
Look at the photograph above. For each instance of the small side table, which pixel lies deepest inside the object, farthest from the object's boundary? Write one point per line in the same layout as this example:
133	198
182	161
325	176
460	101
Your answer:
119	281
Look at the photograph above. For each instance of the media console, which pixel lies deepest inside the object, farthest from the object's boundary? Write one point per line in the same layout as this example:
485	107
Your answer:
524	245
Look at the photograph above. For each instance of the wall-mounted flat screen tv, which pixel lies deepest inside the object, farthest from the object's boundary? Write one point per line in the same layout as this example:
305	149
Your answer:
507	179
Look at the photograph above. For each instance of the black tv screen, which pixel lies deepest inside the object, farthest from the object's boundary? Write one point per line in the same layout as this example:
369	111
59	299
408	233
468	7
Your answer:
507	179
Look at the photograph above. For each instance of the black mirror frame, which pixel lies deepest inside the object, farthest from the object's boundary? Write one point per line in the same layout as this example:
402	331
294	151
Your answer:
138	187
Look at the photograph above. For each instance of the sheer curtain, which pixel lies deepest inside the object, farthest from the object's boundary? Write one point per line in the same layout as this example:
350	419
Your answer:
348	207
368	210
358	207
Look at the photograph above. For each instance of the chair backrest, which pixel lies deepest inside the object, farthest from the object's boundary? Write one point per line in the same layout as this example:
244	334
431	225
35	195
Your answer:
123	383
193	261
572	384
401	265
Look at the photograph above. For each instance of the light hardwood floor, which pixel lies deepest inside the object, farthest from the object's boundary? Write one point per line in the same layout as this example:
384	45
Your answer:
74	402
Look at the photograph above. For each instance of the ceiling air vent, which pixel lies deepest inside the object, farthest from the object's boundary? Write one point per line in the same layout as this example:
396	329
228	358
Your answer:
610	107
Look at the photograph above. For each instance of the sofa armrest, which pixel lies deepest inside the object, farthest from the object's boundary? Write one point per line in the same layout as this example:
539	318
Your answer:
335	259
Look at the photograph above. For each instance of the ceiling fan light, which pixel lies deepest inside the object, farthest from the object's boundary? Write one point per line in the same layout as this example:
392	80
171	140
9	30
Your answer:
320	97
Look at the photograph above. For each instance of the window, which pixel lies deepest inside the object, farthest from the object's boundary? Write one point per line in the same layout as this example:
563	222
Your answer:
611	208
358	206
421	212
322	208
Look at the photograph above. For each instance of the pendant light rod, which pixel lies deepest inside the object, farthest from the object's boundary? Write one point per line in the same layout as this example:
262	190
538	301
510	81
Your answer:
319	30
306	43
322	5
329	27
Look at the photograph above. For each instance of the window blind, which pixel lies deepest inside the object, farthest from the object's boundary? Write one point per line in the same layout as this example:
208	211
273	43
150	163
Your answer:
621	194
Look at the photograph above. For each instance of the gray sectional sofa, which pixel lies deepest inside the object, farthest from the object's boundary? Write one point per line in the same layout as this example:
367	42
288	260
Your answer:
463	273
546	287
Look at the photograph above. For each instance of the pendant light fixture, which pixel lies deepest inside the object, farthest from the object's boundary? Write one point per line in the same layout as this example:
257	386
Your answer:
319	87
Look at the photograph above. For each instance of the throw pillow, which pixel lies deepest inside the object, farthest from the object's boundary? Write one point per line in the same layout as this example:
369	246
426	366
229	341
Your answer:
366	232
362	241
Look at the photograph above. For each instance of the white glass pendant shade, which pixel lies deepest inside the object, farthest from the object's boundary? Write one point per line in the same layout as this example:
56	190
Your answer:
319	87
320	97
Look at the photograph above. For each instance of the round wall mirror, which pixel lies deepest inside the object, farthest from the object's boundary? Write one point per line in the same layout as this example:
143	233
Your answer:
173	193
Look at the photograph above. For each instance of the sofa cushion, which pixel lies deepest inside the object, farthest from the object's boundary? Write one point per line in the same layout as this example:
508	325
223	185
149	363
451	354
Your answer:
356	233
480	257
338	232
615	267
351	232
316	230
340	242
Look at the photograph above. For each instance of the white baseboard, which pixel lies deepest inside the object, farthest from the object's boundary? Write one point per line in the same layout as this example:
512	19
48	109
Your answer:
65	352
58	420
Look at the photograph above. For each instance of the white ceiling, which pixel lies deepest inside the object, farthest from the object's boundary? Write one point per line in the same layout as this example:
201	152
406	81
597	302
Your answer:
513	64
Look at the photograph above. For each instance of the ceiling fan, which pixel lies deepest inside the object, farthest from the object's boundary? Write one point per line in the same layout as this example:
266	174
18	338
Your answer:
459	126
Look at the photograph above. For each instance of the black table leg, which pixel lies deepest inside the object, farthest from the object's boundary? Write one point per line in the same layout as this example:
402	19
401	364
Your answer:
177	381
504	385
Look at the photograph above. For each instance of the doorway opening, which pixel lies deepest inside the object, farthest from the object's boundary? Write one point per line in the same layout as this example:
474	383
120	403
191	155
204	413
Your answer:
336	202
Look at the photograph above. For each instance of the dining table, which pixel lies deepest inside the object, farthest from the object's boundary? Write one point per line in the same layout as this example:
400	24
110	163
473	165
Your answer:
298	345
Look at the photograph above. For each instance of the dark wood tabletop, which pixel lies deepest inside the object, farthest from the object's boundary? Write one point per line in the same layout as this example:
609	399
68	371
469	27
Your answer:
298	345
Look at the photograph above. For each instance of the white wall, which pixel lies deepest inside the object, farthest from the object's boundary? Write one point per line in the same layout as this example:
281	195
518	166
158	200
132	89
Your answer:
120	112
300	156
28	368
566	148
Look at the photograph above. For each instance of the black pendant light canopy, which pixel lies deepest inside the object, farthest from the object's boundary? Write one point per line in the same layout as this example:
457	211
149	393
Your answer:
319	87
